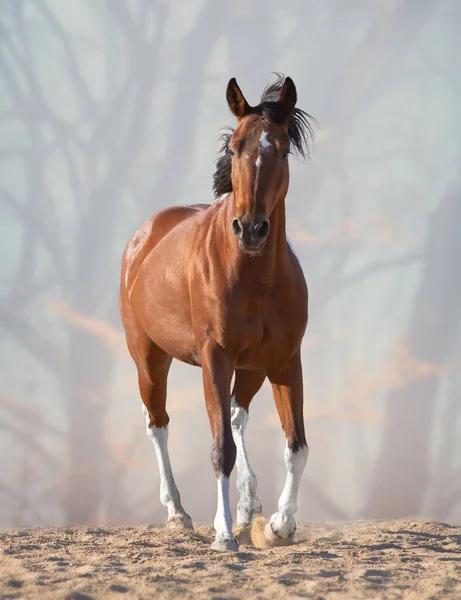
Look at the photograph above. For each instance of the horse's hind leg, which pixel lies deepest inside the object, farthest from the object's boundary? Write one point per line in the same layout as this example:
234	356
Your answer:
153	365
247	384
287	386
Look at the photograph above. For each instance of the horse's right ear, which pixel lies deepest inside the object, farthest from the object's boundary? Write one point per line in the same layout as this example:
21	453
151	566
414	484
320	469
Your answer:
236	100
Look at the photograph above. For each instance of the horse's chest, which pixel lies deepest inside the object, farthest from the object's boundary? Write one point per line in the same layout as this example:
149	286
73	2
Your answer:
264	337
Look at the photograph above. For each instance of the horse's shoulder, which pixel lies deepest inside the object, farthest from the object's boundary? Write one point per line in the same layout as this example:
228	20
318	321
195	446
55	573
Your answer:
149	234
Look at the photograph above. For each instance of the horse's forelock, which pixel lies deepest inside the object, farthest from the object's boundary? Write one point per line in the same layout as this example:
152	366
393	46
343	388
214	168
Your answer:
299	123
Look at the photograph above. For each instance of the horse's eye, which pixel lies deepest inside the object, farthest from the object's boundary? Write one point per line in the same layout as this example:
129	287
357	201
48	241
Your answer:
230	151
284	155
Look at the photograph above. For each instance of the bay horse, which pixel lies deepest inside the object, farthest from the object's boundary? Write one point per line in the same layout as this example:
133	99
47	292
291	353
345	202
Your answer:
218	286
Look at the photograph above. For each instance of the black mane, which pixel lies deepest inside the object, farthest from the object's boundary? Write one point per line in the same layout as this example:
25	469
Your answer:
222	181
300	131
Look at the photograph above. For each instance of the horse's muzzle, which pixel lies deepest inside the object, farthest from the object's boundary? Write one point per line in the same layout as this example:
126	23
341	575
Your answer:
251	233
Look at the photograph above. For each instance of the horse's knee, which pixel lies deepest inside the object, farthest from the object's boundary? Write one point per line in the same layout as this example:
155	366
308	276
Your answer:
296	457
223	454
239	418
247	482
158	435
155	418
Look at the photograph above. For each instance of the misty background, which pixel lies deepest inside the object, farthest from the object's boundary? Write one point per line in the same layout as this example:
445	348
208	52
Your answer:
109	111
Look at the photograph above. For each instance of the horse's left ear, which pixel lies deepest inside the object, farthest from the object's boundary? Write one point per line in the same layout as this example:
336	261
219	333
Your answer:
288	94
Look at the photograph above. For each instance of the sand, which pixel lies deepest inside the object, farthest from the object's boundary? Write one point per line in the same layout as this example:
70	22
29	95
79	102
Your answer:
362	559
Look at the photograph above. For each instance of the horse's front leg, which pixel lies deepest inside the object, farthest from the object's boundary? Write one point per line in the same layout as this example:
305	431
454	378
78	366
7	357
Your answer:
217	372
247	384
287	385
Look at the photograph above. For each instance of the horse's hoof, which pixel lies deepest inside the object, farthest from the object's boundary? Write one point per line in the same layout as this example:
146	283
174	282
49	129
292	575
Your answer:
280	530
180	522
225	545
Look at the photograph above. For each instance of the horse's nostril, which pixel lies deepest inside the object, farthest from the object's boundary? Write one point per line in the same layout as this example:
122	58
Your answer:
237	227
262	230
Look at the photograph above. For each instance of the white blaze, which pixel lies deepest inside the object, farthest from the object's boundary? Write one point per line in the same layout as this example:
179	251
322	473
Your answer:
265	144
264	141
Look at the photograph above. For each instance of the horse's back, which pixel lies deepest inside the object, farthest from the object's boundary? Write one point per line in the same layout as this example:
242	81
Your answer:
149	234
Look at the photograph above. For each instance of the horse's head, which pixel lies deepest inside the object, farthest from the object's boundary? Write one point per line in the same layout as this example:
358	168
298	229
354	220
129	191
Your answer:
257	157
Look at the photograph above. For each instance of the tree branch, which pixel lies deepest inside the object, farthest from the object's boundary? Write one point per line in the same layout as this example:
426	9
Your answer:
34	342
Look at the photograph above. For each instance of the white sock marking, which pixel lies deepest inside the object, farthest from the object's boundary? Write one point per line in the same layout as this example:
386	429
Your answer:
283	522
248	503
295	463
223	519
169	494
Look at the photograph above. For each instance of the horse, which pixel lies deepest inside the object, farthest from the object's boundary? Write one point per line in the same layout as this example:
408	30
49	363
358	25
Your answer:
218	286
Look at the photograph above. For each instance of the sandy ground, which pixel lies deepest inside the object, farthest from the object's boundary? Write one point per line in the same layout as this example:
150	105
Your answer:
386	559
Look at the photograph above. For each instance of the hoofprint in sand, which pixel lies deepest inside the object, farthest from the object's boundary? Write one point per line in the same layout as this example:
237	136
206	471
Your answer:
361	559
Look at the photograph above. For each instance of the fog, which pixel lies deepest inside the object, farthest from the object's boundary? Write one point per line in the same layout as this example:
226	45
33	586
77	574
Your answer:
111	110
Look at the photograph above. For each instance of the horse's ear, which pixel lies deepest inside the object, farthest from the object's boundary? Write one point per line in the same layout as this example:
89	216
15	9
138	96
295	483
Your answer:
288	94
236	100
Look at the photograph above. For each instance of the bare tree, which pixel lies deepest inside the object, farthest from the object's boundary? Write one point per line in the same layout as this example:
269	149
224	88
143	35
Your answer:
98	150
402	472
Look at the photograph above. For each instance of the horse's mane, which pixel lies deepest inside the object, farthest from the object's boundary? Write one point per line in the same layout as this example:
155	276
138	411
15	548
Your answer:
300	131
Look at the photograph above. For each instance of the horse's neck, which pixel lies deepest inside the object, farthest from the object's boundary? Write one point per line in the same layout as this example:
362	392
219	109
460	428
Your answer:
276	245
